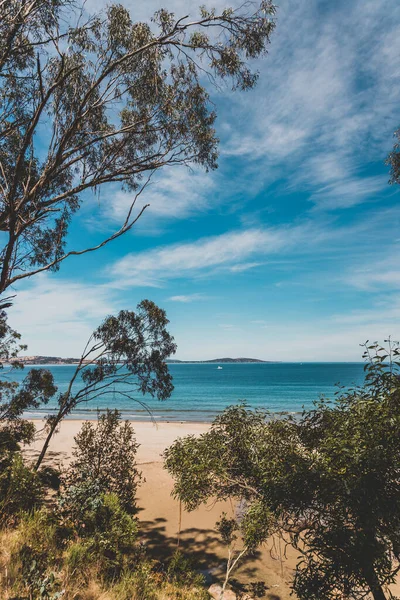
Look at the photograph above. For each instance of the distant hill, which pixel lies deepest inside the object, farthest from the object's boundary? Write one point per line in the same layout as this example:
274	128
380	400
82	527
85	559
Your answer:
222	360
47	360
57	360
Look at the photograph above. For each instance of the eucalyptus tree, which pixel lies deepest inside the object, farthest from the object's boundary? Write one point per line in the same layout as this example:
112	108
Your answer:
37	388
126	356
327	481
20	488
393	160
91	101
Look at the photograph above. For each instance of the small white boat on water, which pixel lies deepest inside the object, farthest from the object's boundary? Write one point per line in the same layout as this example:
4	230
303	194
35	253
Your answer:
219	367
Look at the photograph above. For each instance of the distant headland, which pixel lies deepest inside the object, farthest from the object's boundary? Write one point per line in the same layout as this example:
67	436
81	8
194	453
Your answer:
222	360
47	360
57	360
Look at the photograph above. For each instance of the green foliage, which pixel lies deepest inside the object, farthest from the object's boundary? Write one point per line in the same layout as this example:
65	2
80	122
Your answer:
226	528
9	340
79	557
35	557
36	389
108	538
133	345
20	489
48	561
180	571
104	462
141	583
393	159
329	480
129	349
98	495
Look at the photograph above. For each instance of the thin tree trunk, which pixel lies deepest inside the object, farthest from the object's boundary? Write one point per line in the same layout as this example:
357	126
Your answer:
178	541
6	261
373	584
46	443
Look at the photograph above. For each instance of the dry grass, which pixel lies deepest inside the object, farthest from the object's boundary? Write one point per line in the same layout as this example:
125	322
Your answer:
143	583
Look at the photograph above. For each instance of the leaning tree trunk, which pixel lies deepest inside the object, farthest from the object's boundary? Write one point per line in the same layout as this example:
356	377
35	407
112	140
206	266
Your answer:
47	442
374	584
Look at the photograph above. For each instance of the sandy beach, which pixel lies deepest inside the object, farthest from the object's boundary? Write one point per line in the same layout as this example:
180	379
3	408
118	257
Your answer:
159	512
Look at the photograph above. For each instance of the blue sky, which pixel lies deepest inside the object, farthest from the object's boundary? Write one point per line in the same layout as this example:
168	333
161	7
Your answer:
290	251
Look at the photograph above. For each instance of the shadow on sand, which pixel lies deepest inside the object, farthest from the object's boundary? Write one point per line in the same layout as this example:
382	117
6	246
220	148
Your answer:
204	548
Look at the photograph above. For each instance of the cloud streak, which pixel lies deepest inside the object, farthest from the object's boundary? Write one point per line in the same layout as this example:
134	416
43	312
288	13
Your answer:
228	250
185	299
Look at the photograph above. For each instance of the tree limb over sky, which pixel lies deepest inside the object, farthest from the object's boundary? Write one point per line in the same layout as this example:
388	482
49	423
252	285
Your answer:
105	100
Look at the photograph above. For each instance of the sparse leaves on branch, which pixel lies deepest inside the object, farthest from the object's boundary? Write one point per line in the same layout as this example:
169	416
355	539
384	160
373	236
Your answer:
90	101
36	389
126	354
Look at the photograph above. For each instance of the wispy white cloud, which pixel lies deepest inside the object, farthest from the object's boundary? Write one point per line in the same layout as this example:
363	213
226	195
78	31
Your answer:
325	99
280	247
377	275
245	267
228	250
175	194
385	314
57	316
376	279
349	191
187	298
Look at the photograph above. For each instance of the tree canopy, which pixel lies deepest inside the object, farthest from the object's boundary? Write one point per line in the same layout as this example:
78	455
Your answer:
329	480
127	355
87	101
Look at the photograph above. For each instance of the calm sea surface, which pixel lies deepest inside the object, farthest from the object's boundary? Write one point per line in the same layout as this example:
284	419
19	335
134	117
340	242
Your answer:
203	390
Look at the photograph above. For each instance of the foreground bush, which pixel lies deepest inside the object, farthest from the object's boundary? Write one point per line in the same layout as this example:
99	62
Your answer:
32	554
107	540
20	489
104	463
43	559
86	547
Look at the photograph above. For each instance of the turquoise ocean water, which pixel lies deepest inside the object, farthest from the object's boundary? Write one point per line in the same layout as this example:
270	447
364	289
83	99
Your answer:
203	390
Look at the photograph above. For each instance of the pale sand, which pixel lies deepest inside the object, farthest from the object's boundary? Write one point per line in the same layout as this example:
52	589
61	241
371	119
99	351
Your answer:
159	512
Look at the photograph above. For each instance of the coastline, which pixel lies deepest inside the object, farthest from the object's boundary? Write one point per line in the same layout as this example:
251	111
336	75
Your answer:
153	438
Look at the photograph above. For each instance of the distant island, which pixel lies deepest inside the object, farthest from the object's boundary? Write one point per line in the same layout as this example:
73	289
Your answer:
57	360
47	360
222	360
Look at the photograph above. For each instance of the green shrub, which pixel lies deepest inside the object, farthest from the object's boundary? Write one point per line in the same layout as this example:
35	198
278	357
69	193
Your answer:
104	463
36	553
108	538
138	584
181	572
20	490
78	502
79	555
114	529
